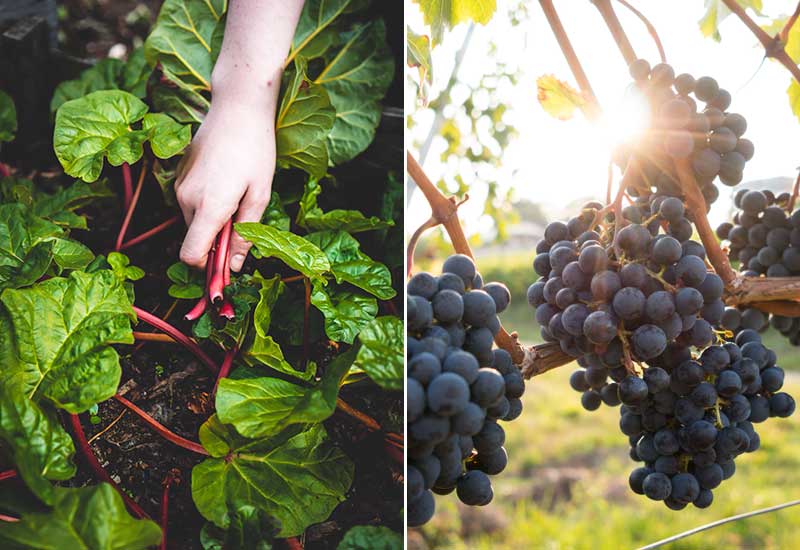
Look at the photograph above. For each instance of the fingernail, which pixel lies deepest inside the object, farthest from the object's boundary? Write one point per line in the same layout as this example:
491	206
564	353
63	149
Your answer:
236	261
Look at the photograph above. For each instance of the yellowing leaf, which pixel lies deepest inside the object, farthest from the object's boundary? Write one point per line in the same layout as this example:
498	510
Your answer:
716	12
794	97
558	98
441	14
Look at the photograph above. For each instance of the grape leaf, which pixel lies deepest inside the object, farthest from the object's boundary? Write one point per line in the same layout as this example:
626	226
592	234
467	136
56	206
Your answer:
794	97
346	311
8	117
293	250
716	12
418	54
557	98
298	477
446	14
86	518
349	264
371	537
381	354
263	406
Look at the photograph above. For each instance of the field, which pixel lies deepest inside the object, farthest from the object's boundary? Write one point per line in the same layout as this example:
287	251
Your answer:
566	484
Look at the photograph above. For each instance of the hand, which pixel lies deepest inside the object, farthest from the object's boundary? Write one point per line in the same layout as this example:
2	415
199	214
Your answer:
227	171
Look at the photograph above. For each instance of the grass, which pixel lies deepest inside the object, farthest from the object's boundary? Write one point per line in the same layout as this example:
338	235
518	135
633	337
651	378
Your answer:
566	487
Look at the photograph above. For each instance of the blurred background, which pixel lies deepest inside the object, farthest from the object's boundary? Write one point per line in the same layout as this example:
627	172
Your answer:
480	129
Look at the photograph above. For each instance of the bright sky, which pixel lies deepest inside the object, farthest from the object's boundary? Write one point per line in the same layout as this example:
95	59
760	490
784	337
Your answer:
554	162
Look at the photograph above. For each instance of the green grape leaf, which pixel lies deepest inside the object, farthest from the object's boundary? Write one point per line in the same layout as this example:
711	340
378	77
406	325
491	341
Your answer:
293	250
349	264
346	311
187	283
313	218
260	407
86	518
371	537
62	329
418	54
557	98
381	354
304	119
297	477
716	12
8	117
442	15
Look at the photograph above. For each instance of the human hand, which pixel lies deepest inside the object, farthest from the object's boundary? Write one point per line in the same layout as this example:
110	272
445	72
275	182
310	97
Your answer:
227	171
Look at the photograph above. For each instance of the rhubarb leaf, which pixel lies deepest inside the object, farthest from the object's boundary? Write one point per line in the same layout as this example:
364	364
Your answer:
371	537
298	477
69	254
268	293
168	138
266	351
86	518
381	354
311	216
349	264
275	214
187	283
316	29
122	268
293	250
263	406
36	262
62	329
8	117
103	75
250	529
346	311
304	120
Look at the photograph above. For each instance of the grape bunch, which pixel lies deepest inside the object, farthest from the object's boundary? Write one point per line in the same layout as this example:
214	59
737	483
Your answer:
765	241
710	137
457	388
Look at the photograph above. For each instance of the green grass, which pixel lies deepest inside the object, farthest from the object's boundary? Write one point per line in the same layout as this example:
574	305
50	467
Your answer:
566	487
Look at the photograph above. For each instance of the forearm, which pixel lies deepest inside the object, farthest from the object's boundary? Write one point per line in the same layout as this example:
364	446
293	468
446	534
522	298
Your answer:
258	37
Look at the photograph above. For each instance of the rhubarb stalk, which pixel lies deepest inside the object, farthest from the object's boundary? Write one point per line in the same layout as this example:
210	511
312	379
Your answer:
131	207
177	335
160	429
217	284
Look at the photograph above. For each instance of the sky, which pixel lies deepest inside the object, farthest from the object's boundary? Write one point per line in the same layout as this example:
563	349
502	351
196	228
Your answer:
553	162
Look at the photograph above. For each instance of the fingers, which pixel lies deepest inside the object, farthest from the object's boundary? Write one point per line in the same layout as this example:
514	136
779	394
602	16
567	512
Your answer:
200	238
251	209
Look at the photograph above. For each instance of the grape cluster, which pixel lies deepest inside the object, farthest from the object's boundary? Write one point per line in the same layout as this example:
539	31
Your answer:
710	138
765	241
458	387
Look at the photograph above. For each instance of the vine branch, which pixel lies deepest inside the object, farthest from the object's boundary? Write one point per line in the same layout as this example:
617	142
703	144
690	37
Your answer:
650	28
615	27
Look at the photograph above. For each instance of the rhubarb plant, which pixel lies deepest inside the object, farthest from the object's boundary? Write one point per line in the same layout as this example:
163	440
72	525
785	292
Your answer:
310	322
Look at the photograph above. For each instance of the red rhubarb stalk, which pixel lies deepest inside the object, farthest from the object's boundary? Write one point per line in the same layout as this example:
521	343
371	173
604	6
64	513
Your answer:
217	284
99	471
226	310
8	474
168	481
162	430
177	335
127	182
131	207
227	363
4	517
200	307
293	544
150	232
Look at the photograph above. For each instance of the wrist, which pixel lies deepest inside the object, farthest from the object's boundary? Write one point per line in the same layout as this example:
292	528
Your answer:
245	87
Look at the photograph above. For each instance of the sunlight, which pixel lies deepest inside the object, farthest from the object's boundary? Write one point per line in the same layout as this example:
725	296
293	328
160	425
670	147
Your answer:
625	121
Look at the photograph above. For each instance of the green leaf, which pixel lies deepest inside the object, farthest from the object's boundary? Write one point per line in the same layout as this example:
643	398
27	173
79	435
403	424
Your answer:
8	117
122	268
41	449
349	264
168	138
103	75
260	407
136	73
187	283
20	233
97	126
446	14
557	98
794	97
62	329
371	537
418	54
298	477
346	312
716	12
250	529
293	250
67	200
266	351
36	262
355	78
316	29
69	254
312	217
382	353
268	294
89	518
305	118
275	214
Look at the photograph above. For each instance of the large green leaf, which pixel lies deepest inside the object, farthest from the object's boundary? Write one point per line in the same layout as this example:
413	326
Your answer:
716	12
69	254
268	293
266	351
103	75
167	137
381	354
355	77
371	537
293	250
311	216
260	407
8	117
62	330
36	262
89	518
446	14
60	206
297	477
349	264
316	28
250	528
41	449
304	120
346	311
275	214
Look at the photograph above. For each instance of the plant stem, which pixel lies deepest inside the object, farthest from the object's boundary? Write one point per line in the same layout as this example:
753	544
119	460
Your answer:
127	184
99	471
650	28
592	108
787	27
8	474
161	429
10	519
293	544
293	278
412	242
306	320
150	232
615	27
177	335
153	337
225	369
365	419
217	284
131	207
